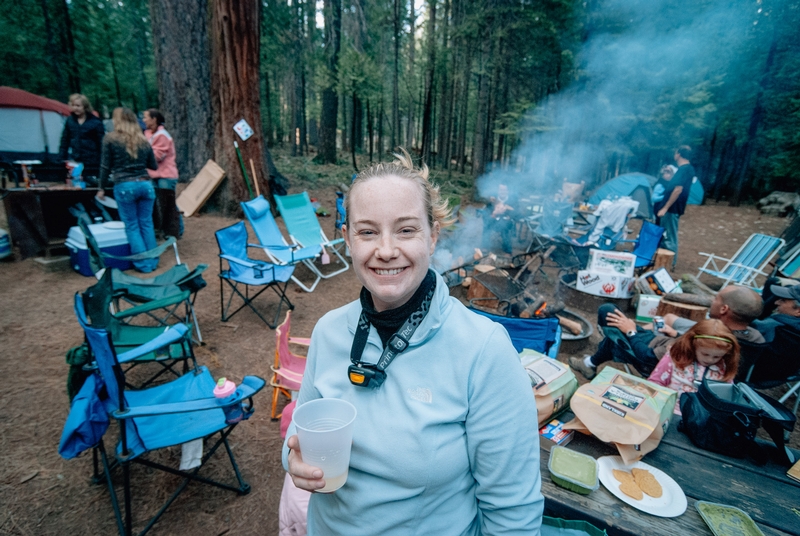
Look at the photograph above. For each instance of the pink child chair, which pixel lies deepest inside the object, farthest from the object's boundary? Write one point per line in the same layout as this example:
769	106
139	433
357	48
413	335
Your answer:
287	372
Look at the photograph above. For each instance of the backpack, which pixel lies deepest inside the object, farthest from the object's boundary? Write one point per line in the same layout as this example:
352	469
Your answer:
725	418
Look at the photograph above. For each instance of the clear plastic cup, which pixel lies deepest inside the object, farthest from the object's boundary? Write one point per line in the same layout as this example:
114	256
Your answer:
325	431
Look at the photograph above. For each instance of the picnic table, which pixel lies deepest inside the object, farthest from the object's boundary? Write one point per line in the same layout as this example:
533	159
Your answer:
765	492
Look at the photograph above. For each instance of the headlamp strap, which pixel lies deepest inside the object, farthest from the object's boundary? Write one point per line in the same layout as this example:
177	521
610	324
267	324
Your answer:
397	343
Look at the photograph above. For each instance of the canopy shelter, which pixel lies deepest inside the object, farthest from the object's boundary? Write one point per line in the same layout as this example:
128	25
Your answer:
30	127
637	186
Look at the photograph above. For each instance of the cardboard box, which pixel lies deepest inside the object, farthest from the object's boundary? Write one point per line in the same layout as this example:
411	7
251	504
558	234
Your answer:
612	262
647	308
200	189
553	434
660	282
605	285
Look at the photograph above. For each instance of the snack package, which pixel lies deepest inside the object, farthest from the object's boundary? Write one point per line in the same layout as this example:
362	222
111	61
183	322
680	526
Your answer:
630	412
553	383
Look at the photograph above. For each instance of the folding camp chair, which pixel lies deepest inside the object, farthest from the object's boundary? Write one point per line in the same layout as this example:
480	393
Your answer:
247	272
170	414
98	301
783	366
257	212
304	229
287	371
646	244
164	295
746	264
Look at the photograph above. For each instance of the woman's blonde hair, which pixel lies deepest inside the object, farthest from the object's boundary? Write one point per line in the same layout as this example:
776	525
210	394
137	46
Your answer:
711	333
436	208
127	131
87	106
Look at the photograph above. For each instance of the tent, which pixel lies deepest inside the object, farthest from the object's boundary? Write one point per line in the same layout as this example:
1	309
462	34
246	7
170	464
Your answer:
30	127
637	186
696	192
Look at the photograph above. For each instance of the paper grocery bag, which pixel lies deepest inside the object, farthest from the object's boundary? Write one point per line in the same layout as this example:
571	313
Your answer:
553	383
630	412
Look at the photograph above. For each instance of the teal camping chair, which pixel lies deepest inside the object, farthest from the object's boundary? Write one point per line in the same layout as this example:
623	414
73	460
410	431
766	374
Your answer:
182	411
243	272
257	212
98	303
746	264
303	226
161	298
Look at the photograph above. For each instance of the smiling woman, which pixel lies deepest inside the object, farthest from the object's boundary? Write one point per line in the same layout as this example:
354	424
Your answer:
443	441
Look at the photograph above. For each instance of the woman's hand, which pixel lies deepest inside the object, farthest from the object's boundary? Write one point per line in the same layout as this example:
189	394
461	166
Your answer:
100	194
303	475
620	321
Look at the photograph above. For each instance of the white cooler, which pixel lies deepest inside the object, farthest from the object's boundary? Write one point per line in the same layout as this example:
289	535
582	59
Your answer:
111	238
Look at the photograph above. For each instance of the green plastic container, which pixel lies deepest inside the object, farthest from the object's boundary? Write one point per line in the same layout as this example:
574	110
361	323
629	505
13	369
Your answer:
572	470
724	520
553	526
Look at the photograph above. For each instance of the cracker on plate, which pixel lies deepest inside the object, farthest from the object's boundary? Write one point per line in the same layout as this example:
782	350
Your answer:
630	489
647	482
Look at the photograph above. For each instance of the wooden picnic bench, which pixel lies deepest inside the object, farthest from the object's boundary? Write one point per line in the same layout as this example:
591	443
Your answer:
765	492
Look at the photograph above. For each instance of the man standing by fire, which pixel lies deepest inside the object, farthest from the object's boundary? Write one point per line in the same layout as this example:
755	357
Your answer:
676	194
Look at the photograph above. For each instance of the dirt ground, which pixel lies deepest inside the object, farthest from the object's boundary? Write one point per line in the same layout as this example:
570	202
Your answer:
41	494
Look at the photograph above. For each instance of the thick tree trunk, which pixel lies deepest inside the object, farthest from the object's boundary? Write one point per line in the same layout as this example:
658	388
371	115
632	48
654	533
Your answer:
395	78
235	95
427	113
68	48
330	100
53	52
269	135
478	150
183	66
755	122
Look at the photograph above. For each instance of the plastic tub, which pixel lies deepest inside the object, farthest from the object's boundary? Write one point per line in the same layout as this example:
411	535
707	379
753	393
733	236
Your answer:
572	470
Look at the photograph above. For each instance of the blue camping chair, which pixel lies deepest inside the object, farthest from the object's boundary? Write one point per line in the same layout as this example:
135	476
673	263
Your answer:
246	272
746	264
646	244
257	212
170	414
304	229
540	334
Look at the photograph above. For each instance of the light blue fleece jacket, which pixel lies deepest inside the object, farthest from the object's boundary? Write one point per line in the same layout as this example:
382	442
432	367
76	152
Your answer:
448	444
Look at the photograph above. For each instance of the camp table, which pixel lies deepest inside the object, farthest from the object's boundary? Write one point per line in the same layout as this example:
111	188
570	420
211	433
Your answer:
39	218
765	492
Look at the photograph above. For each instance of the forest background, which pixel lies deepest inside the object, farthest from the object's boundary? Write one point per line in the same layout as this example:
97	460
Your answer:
528	91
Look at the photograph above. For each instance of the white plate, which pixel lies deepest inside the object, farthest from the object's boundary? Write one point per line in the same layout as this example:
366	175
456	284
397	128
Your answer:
672	502
114	225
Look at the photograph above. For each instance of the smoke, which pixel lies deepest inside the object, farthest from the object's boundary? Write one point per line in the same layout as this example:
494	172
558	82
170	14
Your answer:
650	75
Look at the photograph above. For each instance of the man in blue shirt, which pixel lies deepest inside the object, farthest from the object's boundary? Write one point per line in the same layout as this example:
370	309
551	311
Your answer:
676	194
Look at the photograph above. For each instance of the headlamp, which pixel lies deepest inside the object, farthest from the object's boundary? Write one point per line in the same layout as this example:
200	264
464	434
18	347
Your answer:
365	375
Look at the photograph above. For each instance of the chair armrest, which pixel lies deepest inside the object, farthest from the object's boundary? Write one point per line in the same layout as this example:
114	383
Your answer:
153	305
334	242
302	341
248	263
172	335
250	385
270	246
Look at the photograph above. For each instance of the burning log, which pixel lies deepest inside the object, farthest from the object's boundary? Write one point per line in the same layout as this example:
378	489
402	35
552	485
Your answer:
574	327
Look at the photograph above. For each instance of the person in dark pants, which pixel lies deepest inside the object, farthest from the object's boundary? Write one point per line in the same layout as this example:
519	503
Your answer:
735	306
126	157
670	209
82	137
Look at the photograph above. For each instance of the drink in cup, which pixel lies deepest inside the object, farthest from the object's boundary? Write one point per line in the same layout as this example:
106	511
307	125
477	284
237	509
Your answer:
233	411
325	432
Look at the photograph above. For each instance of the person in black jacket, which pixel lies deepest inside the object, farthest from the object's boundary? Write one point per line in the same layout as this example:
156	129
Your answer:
82	137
